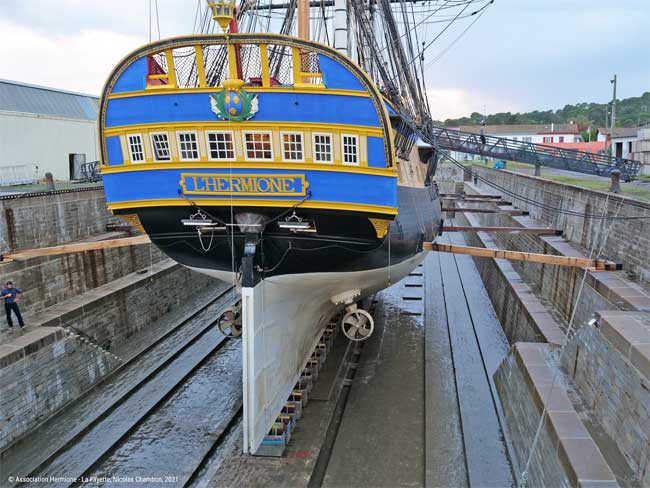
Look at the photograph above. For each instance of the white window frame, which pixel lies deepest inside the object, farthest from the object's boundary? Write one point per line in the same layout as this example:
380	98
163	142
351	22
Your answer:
527	139
153	147
253	132
128	144
356	145
232	140
302	146
331	144
178	145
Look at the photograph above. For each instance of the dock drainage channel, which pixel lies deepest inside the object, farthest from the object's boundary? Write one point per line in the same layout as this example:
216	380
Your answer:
279	435
322	462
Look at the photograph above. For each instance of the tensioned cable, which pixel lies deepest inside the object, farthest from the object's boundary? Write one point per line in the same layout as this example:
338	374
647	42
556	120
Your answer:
445	50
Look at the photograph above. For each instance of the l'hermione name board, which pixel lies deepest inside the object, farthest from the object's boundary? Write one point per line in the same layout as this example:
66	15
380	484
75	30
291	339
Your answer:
243	184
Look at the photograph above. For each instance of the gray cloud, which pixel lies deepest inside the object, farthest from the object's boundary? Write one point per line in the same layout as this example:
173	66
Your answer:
519	56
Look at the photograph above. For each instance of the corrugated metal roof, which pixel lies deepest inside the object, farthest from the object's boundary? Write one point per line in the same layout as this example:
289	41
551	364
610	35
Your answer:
22	97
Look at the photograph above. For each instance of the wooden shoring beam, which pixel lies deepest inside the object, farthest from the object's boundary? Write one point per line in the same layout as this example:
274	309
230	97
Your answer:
465	195
512	230
498	201
531	257
485	210
73	248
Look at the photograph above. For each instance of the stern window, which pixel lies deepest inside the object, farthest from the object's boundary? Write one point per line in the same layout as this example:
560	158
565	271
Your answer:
322	148
292	146
220	145
160	144
188	146
136	148
258	145
350	151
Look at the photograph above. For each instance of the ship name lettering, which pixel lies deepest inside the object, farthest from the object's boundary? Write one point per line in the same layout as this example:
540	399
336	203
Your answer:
244	184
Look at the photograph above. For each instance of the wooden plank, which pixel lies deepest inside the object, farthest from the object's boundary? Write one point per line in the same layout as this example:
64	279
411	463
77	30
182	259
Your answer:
531	257
73	248
465	195
512	230
485	210
497	201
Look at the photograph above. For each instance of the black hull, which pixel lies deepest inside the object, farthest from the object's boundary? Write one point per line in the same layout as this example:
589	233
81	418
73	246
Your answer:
344	241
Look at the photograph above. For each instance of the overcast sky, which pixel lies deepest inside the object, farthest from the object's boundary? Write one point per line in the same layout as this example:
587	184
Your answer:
520	55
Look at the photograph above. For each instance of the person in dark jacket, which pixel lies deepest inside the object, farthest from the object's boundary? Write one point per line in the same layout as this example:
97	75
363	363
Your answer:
11	296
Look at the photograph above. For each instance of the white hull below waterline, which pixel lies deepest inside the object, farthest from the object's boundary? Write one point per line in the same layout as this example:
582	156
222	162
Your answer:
283	318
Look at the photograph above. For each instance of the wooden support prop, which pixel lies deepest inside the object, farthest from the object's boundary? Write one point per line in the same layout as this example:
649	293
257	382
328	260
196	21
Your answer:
592	264
465	195
511	230
77	247
485	210
497	201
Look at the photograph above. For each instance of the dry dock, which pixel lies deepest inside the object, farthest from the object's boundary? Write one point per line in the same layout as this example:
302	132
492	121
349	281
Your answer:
116	376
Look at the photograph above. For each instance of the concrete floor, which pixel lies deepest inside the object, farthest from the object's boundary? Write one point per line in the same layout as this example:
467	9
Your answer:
420	410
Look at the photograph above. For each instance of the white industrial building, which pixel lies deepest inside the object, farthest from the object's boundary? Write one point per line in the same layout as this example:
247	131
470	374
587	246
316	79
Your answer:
535	133
45	130
623	140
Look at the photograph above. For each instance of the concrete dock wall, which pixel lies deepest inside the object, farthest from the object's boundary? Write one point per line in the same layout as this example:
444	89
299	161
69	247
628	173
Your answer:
565	454
628	241
54	279
605	367
522	315
45	369
112	313
55	370
84	311
612	374
52	219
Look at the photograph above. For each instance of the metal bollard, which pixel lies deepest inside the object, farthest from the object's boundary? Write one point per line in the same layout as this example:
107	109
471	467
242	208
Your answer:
49	181
538	170
615	182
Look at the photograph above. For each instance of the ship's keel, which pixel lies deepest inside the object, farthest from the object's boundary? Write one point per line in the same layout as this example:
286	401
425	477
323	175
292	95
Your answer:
282	320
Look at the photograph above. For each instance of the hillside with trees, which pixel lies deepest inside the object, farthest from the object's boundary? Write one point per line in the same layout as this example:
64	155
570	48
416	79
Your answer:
630	112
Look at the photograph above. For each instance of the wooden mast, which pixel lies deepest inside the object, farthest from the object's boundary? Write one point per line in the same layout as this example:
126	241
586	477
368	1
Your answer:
303	19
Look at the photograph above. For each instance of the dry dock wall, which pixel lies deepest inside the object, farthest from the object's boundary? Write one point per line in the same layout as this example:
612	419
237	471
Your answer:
565	454
107	296
606	366
51	219
628	241
47	281
55	369
609	362
47	220
45	369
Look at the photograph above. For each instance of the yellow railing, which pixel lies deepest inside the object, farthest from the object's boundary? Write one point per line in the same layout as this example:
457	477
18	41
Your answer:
301	78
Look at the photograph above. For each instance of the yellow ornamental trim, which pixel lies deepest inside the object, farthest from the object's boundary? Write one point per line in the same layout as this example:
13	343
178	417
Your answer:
381	226
133	220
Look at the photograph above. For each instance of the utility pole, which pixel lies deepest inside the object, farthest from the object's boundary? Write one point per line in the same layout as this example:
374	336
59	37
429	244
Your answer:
613	118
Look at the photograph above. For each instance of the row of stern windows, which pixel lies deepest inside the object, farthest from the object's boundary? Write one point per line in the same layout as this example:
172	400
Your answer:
228	145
